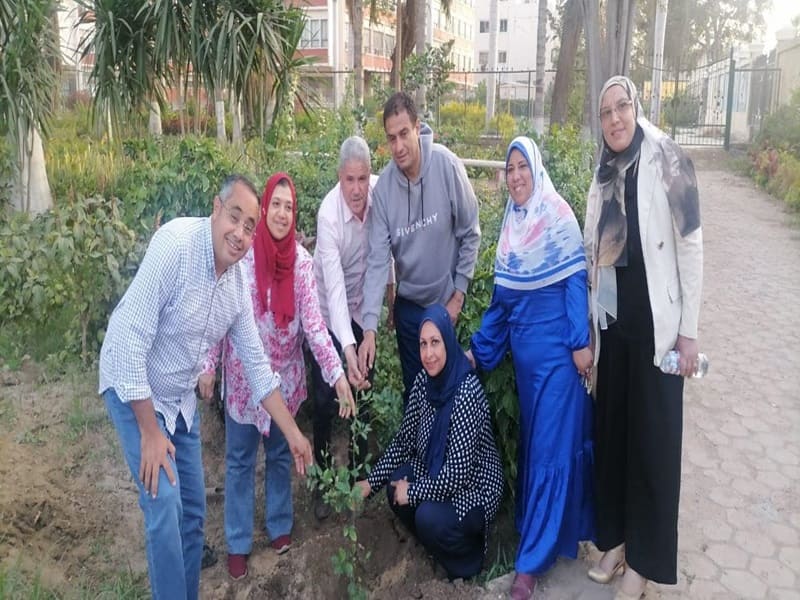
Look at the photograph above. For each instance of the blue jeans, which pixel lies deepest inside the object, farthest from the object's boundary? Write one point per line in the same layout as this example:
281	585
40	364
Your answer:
173	521
241	449
407	318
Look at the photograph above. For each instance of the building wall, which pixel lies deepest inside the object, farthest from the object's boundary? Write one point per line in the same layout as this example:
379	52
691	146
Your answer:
787	57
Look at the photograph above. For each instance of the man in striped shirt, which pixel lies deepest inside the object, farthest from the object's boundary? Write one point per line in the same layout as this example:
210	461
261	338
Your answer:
188	293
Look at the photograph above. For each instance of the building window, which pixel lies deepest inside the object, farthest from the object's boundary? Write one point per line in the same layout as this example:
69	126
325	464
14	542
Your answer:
315	34
501	57
483	58
484	26
503	25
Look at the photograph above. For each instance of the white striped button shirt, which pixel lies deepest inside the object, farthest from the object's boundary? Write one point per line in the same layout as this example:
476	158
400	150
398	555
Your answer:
174	310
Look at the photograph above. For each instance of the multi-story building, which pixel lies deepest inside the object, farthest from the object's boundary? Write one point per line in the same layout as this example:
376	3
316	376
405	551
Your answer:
517	28
328	38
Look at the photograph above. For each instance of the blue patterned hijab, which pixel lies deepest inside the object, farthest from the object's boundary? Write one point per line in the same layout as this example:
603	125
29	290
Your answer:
540	242
442	388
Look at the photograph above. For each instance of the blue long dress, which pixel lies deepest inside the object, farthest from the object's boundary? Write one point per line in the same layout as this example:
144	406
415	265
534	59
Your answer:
554	502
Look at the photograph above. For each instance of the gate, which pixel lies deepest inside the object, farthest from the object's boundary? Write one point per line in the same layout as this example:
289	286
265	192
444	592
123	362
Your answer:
717	104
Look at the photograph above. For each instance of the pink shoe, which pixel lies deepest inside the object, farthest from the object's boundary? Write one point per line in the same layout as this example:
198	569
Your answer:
281	544
237	566
523	586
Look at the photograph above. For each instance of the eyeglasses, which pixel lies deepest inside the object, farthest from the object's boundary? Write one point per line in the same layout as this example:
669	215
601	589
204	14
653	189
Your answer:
235	219
621	108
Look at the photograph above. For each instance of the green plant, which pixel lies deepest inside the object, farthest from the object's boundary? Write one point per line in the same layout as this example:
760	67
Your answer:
432	70
83	417
681	110
462	121
63	270
336	485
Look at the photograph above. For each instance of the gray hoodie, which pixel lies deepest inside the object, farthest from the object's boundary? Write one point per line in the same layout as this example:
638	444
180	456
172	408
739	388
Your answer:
430	227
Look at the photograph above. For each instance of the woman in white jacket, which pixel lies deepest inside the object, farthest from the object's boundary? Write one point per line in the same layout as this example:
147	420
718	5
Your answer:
644	248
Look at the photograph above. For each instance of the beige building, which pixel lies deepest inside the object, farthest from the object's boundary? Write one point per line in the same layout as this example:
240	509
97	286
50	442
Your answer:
787	59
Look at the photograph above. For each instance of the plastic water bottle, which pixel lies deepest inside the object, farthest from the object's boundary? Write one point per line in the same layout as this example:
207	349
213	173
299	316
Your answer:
669	364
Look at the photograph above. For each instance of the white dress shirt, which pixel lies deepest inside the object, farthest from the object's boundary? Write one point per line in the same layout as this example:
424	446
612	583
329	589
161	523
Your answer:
174	310
340	261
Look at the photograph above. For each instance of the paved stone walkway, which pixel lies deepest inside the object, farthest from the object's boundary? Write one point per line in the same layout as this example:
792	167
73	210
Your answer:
740	498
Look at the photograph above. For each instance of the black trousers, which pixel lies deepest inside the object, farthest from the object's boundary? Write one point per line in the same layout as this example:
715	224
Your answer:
639	425
326	407
456	545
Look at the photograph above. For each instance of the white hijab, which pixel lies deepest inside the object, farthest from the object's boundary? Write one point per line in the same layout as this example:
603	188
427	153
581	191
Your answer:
540	242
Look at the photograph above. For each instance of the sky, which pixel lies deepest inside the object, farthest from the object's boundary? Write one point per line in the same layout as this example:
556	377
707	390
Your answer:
779	17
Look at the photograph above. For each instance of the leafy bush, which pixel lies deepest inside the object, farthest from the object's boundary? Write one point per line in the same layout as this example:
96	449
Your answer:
568	159
62	273
463	121
681	110
504	124
781	129
775	156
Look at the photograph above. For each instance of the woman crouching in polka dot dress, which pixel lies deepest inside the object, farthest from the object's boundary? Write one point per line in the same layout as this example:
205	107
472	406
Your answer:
444	472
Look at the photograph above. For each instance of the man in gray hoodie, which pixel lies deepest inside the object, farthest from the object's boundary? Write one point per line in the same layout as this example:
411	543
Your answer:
425	215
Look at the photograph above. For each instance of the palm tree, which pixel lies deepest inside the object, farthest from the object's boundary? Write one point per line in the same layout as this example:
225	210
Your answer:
142	48
28	88
250	40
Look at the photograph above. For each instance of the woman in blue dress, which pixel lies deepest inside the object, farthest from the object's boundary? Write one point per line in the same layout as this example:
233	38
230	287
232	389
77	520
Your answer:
539	311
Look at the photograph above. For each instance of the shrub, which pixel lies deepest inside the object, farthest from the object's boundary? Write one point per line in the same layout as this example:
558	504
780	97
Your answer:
781	129
463	121
62	273
504	124
775	156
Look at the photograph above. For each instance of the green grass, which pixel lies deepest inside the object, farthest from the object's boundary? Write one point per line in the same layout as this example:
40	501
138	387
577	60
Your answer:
503	563
84	416
15	584
8	414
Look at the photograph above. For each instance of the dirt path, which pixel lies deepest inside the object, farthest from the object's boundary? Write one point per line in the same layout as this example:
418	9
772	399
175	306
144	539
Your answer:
68	512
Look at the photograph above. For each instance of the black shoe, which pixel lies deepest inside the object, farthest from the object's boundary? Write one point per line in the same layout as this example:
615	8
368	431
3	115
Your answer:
209	557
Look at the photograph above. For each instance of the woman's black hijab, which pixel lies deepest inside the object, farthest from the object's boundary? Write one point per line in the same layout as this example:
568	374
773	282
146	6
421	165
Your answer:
442	388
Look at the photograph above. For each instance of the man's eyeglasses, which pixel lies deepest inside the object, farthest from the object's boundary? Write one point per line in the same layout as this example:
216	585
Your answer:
620	108
235	219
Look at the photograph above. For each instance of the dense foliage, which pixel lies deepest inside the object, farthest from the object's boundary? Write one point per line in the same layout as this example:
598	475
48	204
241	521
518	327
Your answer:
63	271
775	156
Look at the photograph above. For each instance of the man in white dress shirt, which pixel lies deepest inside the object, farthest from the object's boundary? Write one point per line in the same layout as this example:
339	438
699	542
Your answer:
340	261
188	293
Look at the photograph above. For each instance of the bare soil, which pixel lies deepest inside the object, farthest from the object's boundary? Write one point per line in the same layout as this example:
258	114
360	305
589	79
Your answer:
69	512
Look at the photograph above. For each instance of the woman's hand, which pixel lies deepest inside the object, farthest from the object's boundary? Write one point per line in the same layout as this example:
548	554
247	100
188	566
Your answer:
583	360
687	350
347	406
365	487
400	491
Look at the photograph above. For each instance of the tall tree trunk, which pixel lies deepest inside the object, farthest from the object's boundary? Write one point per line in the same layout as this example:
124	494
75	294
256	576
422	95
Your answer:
658	60
491	84
356	9
31	189
619	26
541	45
594	78
219	114
565	71
404	39
236	121
154	122
420	44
